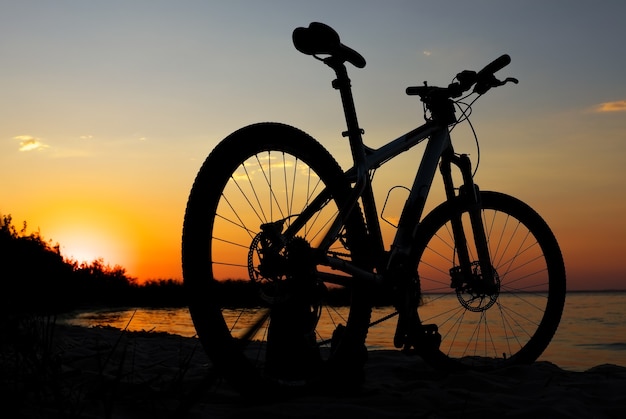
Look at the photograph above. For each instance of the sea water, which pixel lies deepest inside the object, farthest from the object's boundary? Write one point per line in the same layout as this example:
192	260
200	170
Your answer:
592	330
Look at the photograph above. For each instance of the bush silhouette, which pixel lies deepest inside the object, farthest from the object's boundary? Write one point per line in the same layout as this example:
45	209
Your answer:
35	278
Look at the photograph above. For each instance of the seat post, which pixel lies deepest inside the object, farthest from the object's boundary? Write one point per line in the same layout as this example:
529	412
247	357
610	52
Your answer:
354	132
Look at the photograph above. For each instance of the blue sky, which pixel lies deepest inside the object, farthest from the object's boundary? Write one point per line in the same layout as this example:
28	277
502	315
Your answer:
109	108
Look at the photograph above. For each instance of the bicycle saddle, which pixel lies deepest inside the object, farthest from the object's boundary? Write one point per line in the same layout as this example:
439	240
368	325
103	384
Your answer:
319	38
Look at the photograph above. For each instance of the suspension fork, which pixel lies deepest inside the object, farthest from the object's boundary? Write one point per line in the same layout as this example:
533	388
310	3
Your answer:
469	193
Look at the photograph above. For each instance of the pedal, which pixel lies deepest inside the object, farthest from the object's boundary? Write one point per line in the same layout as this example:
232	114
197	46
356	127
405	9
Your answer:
431	339
426	337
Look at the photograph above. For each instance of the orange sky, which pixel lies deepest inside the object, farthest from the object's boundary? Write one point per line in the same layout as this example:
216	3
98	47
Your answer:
109	110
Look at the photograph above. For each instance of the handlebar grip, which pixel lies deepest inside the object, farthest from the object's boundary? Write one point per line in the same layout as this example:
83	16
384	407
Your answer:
418	90
494	66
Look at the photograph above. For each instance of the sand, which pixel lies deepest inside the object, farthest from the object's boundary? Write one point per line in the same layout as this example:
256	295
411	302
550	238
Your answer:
106	373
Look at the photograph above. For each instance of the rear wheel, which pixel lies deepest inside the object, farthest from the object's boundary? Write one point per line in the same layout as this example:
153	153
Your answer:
259	207
485	327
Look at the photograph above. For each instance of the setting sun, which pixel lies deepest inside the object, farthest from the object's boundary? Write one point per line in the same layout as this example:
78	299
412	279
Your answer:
88	231
84	243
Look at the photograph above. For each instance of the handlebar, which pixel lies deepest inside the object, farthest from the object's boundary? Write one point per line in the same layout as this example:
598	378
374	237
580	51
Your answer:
482	81
485	78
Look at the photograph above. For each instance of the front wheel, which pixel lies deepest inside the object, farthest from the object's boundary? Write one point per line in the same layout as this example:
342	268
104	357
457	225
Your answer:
490	327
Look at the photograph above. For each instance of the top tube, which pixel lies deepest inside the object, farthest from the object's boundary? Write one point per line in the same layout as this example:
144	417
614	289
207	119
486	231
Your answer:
375	158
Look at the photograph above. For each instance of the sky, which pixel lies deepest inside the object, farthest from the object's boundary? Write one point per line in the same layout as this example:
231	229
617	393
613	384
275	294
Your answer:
109	108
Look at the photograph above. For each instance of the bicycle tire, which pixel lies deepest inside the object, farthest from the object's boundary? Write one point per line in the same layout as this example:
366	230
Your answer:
276	169
488	332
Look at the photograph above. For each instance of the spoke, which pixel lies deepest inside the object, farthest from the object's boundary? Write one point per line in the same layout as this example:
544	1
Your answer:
261	216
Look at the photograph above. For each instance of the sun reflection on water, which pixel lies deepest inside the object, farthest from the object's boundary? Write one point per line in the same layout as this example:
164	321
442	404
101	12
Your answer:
590	333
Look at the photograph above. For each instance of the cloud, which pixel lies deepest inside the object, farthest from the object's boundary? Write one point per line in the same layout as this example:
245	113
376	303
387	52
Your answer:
28	143
615	106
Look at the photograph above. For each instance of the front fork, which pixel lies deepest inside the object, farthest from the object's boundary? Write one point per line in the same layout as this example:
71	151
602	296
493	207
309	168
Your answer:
469	192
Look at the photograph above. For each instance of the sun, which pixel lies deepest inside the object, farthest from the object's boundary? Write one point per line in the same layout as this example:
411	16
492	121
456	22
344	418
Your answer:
86	233
86	244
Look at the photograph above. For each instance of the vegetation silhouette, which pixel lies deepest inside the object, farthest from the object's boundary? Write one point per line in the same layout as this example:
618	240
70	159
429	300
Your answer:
36	278
34	275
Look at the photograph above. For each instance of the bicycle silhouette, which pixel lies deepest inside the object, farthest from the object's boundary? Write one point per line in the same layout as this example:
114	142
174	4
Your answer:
478	282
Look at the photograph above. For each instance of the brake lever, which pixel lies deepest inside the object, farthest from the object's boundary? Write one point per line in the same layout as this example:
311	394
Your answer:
509	79
482	88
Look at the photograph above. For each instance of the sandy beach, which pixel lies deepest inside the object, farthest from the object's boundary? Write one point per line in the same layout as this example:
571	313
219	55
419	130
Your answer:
107	373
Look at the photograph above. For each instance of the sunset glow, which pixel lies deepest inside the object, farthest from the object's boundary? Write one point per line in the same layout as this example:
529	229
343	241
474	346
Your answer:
87	231
109	109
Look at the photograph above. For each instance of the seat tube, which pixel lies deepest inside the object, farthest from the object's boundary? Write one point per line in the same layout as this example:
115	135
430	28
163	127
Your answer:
355	136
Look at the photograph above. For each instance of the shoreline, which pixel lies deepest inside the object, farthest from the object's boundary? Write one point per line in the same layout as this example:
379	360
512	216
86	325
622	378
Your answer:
590	333
105	372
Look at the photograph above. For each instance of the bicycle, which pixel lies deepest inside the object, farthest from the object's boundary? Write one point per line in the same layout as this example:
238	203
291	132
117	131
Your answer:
479	282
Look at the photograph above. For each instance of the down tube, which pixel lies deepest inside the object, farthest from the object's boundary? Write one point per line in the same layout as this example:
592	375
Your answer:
414	206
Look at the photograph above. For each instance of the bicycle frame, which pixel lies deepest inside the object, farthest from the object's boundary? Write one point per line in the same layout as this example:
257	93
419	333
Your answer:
438	149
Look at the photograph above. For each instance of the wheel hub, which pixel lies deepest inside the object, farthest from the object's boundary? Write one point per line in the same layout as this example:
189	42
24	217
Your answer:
282	268
475	293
